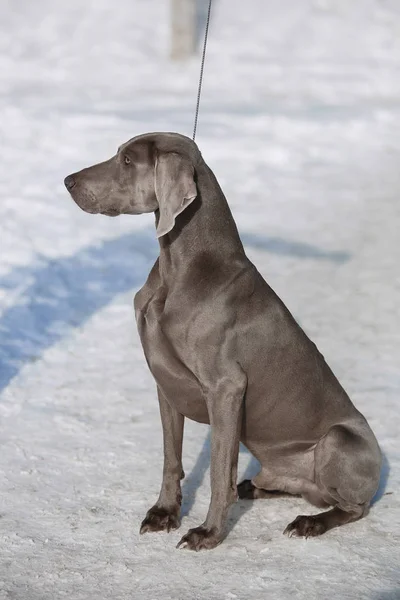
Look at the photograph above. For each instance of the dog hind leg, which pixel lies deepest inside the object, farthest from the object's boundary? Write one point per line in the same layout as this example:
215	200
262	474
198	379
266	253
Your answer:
347	467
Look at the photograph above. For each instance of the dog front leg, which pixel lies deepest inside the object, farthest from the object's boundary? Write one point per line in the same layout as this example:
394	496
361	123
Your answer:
165	514
225	408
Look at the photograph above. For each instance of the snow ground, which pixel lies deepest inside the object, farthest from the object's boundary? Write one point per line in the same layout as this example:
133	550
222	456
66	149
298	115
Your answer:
300	122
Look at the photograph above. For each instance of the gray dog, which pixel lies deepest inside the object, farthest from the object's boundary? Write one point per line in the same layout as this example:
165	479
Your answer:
224	350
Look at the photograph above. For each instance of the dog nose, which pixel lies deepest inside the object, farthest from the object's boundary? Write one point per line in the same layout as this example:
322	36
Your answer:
69	182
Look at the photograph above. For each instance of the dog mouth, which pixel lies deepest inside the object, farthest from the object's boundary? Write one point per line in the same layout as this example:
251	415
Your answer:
88	202
92	211
110	212
85	200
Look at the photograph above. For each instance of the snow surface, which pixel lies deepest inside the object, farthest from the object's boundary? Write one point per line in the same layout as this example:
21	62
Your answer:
300	120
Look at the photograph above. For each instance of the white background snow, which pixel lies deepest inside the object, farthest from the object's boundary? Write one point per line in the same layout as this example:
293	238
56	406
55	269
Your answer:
300	120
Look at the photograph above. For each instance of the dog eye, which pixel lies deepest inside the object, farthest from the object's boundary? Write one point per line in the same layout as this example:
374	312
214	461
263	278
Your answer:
127	160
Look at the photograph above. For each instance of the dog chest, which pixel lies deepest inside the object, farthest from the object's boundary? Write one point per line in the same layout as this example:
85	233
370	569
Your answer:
174	378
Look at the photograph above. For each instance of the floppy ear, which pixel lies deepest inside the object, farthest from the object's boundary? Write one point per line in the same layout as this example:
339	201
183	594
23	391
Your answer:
175	188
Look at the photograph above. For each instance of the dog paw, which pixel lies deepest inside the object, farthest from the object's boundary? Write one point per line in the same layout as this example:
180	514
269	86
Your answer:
200	538
304	526
160	519
246	490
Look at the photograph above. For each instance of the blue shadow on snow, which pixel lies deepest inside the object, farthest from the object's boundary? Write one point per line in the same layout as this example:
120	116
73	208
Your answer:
283	247
63	293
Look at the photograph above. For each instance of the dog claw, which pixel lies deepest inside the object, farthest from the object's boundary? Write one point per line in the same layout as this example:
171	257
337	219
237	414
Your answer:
199	538
160	519
305	527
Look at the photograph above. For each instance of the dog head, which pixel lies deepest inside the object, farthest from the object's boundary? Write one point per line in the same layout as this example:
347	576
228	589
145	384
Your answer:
148	173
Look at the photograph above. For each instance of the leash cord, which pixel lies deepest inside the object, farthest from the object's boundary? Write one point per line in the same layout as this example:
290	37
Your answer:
203	58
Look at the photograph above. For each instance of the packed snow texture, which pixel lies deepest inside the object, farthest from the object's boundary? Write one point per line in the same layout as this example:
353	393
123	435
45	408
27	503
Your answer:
300	121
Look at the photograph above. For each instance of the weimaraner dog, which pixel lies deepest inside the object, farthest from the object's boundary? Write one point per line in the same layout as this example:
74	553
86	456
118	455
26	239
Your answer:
224	350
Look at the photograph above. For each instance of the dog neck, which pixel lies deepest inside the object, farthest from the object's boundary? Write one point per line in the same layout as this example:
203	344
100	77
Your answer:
205	229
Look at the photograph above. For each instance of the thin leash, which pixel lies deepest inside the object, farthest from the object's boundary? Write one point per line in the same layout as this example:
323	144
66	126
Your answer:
203	58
